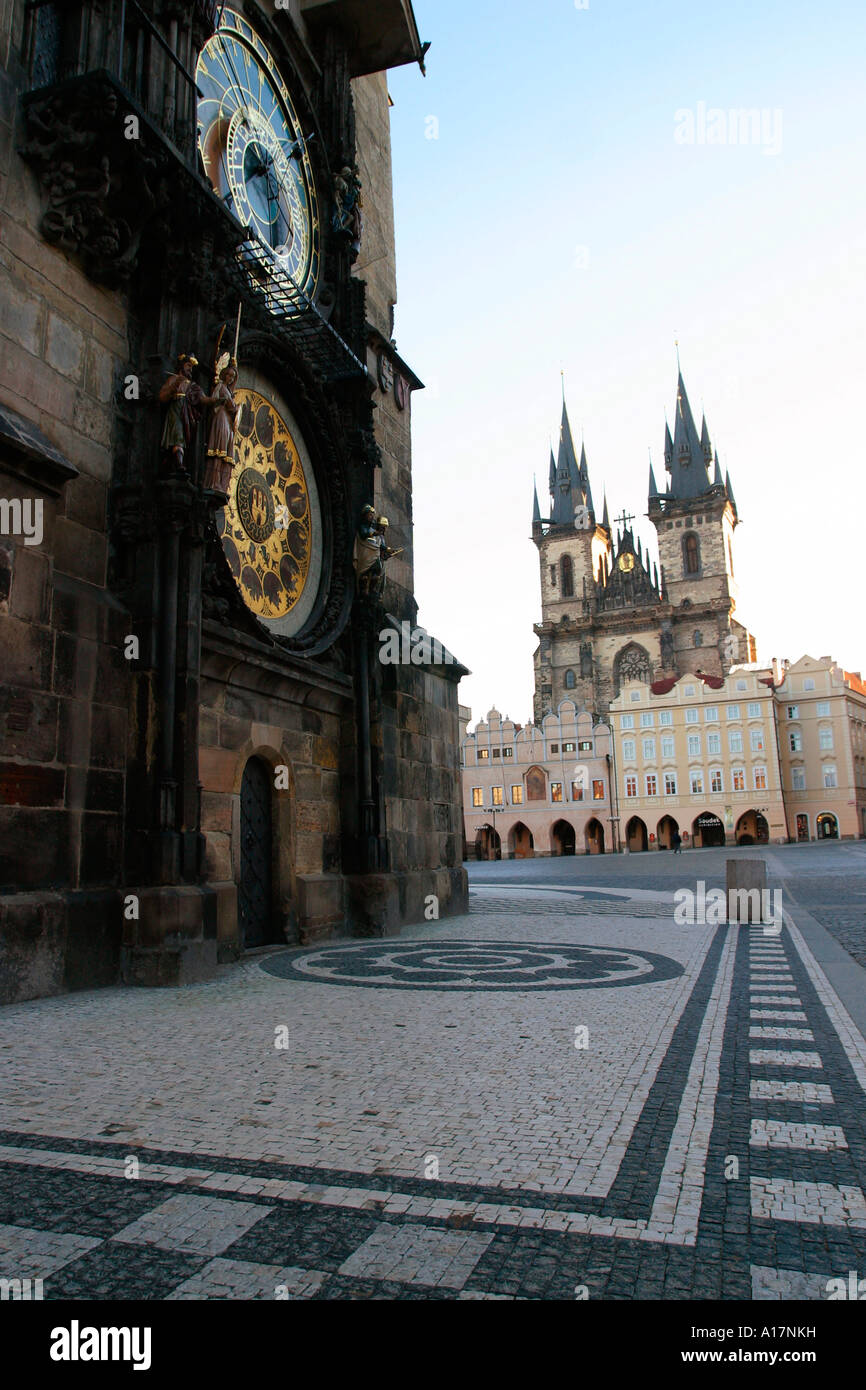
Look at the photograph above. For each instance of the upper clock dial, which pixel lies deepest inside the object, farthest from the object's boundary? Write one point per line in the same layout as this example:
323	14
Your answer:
253	149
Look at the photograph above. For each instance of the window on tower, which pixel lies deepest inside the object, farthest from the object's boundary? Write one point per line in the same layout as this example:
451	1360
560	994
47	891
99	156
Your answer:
567	569
570	680
691	554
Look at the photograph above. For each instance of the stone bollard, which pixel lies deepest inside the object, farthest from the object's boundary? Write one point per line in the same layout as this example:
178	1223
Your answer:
746	884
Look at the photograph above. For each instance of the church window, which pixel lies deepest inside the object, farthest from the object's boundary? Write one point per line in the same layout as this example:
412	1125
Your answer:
631	664
691	554
631	786
730	556
553	576
567	569
477	796
570	679
699	639
629	748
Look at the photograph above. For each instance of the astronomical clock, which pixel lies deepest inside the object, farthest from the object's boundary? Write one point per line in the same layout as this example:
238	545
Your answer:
254	151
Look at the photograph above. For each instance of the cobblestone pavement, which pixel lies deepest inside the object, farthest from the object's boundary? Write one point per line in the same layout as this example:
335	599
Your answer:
562	1094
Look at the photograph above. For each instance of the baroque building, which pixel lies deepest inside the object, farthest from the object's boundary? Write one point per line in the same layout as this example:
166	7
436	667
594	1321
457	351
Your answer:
611	613
199	392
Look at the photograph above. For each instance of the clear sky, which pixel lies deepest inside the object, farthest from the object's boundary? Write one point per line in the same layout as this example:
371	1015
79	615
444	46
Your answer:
559	220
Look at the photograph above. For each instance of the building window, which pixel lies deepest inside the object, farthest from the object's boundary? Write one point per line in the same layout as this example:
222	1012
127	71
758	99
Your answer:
666	717
556	791
584	745
497	753
628	750
735	740
670	784
536	785
691	554
649	750
554	748
760	779
808	683
690	690
477	796
568	748
756	738
635	697
598	789
626	721
570	679
691	716
567	571
497	796
741	685
754	709
711	714
646	719
516	796
631	785
714	743
483	753
829	775
798	779
576	792
553	576
696	780
732	711
823	708
793	711
716	784
651	784
795	740
667	746
738	779
694	745
699	639
825	739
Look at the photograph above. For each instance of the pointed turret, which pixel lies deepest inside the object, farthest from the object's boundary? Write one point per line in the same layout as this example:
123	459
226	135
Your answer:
536	510
689	477
584	479
605	519
730	491
669	448
717	474
706	446
653	489
570	486
552	477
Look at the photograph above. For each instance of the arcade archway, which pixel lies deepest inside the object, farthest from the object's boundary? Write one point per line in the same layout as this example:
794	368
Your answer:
562	838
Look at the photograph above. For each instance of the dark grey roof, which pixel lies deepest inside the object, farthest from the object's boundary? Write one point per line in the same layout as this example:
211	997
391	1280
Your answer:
685	460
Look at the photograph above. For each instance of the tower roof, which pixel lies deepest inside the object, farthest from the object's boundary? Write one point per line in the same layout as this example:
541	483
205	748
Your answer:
685	457
569	480
536	510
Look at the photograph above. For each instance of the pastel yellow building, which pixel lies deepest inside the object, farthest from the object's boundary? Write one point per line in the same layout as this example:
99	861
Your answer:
698	756
822	740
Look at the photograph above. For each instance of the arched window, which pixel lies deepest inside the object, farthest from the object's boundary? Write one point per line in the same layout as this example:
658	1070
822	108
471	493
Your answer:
536	785
691	554
631	664
570	680
567	570
699	639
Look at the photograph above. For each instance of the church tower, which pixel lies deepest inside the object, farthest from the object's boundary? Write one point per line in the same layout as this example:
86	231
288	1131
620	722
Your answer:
695	519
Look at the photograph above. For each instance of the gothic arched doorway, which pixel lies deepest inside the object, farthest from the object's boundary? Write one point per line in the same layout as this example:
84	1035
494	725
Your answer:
752	829
562	839
594	837
255	890
520	842
636	835
665	832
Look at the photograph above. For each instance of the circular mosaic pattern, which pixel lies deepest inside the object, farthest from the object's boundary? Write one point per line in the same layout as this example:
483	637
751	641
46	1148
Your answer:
472	965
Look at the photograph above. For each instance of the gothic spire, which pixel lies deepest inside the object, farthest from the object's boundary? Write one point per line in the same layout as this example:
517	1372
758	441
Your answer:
653	489
536	510
567	487
605	518
730	491
717	474
688	464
